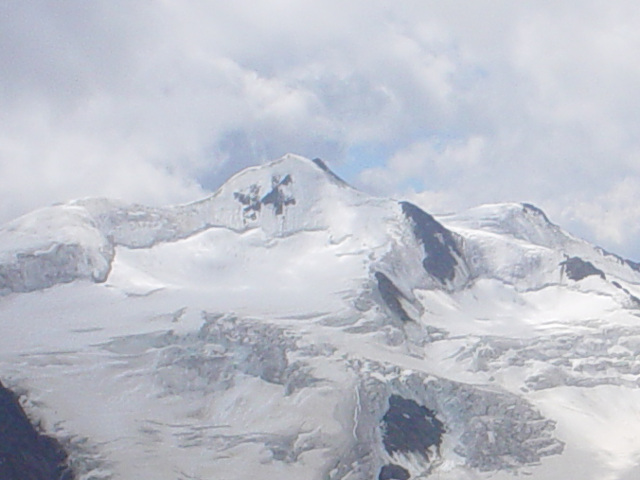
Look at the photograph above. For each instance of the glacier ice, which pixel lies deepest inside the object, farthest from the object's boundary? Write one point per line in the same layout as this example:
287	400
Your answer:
290	326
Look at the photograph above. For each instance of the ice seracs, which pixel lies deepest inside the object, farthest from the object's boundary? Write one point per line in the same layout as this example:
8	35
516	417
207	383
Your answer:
50	246
290	326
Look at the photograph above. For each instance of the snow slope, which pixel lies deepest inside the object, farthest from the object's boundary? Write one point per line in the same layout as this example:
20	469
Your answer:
289	326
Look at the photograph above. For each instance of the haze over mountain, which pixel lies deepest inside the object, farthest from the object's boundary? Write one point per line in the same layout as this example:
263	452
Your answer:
290	326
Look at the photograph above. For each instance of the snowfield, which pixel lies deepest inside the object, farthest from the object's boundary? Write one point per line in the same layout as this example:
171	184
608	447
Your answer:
289	326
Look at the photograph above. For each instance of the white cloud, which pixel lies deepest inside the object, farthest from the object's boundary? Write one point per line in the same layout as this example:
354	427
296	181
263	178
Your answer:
156	100
612	215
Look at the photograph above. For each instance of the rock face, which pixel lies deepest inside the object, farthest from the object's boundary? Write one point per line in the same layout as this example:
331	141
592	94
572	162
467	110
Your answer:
26	454
393	472
391	296
441	251
409	427
576	269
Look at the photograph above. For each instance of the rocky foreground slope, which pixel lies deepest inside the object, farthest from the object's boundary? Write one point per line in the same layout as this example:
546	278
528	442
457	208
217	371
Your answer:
289	326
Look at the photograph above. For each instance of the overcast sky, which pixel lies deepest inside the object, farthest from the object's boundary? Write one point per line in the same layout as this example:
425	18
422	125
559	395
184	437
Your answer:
448	103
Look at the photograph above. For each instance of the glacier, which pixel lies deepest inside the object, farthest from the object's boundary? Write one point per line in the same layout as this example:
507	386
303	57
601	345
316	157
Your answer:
292	326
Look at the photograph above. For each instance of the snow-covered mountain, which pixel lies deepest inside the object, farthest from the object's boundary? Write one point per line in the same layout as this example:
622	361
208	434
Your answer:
289	326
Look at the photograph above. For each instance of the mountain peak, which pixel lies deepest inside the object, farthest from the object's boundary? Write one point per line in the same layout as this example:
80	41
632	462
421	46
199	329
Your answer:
523	221
282	197
293	165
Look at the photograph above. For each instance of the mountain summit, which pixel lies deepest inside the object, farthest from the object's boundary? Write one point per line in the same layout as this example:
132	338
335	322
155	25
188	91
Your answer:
290	326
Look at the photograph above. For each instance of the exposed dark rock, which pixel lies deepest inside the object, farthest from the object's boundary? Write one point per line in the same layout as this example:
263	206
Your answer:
391	296
250	201
490	429
634	265
276	196
439	244
533	209
577	269
409	427
26	454
323	166
633	298
623	261
393	472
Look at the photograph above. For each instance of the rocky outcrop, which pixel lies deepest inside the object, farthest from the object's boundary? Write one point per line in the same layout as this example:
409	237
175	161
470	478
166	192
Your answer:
442	254
26	454
576	269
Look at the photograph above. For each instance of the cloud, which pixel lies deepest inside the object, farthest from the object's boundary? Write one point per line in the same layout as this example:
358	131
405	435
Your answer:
612	215
158	101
